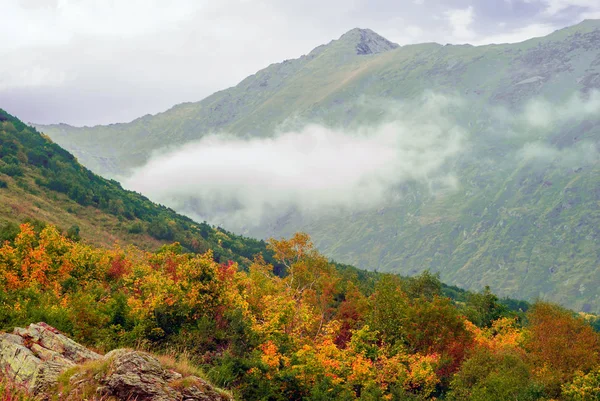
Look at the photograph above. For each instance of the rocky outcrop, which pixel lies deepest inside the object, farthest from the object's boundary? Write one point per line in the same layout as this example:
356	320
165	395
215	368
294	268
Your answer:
36	357
368	42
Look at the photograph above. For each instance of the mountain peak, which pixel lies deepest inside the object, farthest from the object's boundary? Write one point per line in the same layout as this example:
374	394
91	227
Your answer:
366	41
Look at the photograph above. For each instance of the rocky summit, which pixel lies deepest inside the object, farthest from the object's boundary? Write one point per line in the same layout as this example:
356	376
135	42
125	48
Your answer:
38	357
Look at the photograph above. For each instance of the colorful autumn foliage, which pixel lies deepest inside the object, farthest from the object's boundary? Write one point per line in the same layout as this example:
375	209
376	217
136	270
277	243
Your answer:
311	332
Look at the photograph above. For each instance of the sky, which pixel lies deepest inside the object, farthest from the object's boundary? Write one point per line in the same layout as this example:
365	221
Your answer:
88	62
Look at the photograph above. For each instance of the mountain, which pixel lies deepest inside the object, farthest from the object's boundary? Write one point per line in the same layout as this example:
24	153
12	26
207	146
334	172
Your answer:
43	183
523	214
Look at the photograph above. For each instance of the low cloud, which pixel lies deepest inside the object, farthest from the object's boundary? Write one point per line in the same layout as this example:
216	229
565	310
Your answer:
541	113
315	170
582	154
241	182
544	120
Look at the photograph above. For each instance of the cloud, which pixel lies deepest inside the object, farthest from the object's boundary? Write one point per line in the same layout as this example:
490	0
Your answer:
241	182
554	7
33	76
542	114
460	21
517	35
318	170
582	154
544	120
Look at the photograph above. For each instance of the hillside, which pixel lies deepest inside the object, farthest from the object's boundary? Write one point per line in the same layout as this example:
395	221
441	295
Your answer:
312	334
524	215
316	331
40	181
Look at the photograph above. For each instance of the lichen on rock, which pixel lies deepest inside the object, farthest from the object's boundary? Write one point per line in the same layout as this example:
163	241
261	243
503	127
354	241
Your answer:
48	363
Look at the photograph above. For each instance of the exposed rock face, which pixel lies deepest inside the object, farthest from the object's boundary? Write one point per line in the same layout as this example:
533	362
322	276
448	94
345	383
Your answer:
368	42
35	357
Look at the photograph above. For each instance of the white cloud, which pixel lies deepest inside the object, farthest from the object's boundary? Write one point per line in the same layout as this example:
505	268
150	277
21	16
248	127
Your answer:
33	76
542	119
581	154
540	113
460	21
238	182
59	22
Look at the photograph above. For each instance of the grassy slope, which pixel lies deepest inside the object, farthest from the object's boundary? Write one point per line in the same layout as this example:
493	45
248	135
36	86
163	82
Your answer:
525	231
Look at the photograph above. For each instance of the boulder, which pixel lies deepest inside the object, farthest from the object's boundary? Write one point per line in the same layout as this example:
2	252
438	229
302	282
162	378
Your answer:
35	357
137	375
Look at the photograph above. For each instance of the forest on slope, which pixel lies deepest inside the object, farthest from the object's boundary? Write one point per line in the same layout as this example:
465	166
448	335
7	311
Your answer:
40	181
311	333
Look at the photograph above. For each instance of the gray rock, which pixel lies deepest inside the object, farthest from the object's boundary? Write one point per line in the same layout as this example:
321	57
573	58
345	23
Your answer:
138	375
35	357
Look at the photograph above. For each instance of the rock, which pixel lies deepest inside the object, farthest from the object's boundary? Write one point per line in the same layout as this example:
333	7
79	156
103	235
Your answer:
51	339
46	376
17	362
138	375
35	358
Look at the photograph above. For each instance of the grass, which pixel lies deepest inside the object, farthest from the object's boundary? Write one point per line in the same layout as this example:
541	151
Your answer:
192	374
12	392
181	363
88	373
100	229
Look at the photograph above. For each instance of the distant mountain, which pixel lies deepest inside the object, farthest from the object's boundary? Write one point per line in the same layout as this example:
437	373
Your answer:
524	216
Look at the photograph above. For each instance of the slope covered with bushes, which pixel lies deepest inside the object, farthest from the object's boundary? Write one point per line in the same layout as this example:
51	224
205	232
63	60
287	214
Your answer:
40	180
312	333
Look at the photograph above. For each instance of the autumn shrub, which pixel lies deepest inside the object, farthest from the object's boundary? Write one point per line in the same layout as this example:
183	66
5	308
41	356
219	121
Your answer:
560	344
584	387
489	375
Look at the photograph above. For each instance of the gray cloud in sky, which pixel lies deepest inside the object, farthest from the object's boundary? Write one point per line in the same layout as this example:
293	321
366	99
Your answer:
89	62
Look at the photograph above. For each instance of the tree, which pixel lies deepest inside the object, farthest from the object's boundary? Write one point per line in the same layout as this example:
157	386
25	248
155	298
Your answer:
483	308
561	344
494	376
584	387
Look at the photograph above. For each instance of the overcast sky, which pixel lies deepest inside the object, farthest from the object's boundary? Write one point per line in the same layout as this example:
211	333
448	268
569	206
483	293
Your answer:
87	62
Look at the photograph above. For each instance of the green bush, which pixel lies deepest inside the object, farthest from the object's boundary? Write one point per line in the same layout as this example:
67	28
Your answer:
13	170
489	376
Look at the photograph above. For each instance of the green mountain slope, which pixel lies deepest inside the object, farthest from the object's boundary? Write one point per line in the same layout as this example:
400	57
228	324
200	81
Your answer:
525	225
41	181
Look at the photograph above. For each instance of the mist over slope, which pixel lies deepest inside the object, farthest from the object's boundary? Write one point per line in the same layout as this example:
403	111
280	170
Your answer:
477	162
317	170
